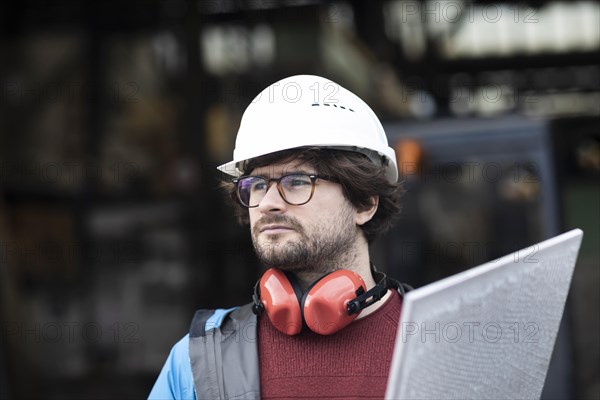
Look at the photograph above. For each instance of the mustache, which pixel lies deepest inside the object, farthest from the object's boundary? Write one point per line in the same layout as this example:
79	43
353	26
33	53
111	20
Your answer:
277	219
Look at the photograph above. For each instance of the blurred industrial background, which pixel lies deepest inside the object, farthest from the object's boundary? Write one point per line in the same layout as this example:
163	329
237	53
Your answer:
114	115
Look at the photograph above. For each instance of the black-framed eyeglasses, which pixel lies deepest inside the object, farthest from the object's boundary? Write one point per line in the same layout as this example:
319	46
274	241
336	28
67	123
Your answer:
295	188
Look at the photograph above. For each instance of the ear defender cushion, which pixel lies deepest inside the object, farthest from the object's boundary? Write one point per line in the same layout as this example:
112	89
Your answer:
325	304
280	302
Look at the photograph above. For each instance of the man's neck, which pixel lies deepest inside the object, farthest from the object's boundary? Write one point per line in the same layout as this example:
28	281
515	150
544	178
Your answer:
355	259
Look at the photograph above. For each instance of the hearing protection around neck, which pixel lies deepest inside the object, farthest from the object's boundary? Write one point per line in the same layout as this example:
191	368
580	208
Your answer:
327	306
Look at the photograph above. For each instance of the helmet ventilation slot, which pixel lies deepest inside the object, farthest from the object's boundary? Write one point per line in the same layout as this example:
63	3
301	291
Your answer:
329	105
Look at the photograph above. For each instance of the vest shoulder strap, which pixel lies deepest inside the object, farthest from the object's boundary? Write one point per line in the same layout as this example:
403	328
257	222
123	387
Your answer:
198	325
224	355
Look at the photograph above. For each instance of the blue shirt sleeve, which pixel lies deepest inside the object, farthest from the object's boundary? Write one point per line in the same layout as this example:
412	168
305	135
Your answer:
175	380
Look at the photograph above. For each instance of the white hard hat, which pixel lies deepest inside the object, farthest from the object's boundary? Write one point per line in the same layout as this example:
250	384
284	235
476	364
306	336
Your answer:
307	111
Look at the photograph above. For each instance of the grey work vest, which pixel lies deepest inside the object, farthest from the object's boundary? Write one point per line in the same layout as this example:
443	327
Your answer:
224	355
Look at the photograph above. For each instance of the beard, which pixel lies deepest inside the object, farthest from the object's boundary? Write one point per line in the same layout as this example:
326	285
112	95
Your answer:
315	249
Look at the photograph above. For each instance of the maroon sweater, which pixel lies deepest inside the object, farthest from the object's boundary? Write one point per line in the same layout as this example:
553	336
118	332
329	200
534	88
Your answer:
352	363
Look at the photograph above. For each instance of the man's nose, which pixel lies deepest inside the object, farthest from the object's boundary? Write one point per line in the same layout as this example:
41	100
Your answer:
272	200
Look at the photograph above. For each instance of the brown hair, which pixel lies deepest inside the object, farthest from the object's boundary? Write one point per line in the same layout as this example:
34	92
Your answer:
361	181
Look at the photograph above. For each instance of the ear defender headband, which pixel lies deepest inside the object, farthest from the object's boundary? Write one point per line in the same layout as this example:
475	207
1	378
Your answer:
327	306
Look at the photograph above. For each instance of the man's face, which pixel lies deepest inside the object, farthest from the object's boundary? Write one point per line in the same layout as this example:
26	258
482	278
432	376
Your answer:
316	237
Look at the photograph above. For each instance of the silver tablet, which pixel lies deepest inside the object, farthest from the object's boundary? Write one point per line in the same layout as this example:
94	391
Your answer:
488	332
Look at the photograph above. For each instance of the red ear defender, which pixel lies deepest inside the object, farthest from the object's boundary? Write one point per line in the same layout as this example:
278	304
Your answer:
279	300
325	305
325	308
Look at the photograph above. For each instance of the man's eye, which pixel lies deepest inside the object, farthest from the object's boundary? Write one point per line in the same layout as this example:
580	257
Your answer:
259	186
298	182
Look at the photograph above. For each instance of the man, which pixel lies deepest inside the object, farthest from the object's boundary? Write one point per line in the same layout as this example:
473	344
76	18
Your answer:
316	180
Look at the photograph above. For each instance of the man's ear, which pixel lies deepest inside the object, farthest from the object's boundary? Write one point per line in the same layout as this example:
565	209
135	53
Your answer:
361	217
